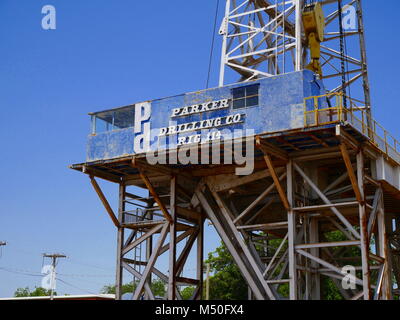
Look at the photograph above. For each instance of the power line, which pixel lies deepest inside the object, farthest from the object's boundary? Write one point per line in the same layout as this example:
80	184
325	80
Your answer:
76	287
74	261
212	45
22	272
91	281
87	275
82	277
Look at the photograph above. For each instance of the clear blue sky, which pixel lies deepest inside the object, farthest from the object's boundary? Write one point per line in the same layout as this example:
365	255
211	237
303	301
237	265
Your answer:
106	54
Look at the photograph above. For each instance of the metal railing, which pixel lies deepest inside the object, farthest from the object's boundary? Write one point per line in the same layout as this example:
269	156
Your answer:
329	109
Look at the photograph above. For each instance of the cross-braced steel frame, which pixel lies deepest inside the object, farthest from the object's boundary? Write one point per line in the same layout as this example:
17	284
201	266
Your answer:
144	224
294	227
264	38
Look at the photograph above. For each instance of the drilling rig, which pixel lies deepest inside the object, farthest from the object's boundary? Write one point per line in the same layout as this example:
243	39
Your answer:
325	184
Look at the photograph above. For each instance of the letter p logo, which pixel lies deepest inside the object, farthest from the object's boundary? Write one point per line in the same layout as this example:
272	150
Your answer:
142	127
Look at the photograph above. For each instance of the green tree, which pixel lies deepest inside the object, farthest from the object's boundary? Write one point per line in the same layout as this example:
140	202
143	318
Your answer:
329	288
126	288
187	293
227	282
22	292
37	292
158	288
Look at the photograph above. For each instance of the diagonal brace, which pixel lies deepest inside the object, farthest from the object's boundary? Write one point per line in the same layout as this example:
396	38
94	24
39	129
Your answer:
326	200
135	243
277	182
155	196
352	176
105	202
151	262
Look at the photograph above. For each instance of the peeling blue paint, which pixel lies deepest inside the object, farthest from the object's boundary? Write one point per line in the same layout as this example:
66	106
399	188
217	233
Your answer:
281	107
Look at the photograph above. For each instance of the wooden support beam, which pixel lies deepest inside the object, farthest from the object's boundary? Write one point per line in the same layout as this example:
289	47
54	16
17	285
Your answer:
188	214
277	182
265	207
172	242
328	244
227	169
137	198
265	226
105	202
101	174
315	154
141	164
283	141
337	182
220	183
179	238
156	180
200	260
325	264
346	138
183	192
384	251
374	212
326	206
144	237
350	171
180	262
259	198
120	243
372	181
318	140
339	191
365	243
156	197
271	149
134	262
184	281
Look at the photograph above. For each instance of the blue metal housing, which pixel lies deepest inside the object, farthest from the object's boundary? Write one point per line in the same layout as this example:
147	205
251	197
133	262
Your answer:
280	108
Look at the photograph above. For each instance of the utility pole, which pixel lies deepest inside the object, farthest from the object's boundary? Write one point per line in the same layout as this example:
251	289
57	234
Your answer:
53	258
